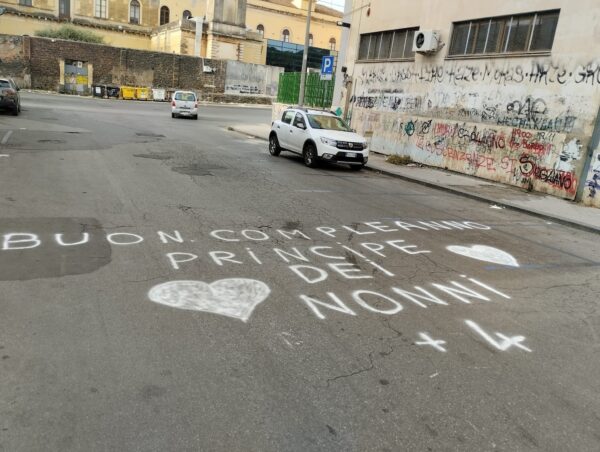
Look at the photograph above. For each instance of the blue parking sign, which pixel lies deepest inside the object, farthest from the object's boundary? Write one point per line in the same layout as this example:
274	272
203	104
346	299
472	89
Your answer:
327	67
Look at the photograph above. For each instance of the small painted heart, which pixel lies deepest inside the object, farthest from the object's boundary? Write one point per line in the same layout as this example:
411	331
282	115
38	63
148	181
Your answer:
233	297
485	253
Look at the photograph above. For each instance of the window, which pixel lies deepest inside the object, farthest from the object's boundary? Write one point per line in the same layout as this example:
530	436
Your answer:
387	45
299	119
287	117
310	40
25	3
100	9
134	12
186	97
285	35
326	122
261	29
164	15
187	14
332	44
510	34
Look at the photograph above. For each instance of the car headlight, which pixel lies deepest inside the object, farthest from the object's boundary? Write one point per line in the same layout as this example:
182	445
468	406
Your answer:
328	141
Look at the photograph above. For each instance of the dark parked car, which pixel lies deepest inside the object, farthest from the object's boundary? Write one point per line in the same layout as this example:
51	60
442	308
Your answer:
9	95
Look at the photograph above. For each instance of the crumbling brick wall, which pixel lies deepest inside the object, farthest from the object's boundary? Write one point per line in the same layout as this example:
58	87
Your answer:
14	60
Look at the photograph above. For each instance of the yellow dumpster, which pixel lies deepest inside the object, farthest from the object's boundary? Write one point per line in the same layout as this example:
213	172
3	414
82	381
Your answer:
128	92
142	93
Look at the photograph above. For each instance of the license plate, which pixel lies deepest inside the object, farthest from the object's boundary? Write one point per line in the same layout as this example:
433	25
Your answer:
350	154
185	108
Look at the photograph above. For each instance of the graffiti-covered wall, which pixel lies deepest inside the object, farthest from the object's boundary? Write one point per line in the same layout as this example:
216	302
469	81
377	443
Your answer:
247	79
524	123
591	191
521	116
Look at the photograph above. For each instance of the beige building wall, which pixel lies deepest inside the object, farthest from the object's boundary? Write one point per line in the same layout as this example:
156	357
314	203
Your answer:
523	119
177	7
275	18
117	31
48	6
20	25
117	12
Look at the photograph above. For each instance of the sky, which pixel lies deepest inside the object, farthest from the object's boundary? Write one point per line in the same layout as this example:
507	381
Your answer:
337	4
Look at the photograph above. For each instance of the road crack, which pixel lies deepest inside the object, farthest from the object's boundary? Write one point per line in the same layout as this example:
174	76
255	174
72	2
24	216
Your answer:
356	372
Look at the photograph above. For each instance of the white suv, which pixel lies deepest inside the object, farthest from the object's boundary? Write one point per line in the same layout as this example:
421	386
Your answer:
318	135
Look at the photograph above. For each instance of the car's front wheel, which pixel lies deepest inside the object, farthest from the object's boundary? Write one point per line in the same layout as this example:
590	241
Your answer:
274	148
310	156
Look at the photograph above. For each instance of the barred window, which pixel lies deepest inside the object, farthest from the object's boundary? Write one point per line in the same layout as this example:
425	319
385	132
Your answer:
25	3
134	12
165	15
387	45
100	9
508	34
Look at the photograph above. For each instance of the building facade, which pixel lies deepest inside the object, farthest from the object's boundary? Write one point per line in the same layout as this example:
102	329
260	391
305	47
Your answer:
232	29
507	91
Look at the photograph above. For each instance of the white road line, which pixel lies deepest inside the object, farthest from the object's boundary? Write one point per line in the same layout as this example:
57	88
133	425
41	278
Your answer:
4	155
6	137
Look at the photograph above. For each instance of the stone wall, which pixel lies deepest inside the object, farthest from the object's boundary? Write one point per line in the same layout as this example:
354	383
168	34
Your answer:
120	66
36	63
13	60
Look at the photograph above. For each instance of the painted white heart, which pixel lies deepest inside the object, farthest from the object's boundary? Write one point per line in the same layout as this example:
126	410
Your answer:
233	297
485	253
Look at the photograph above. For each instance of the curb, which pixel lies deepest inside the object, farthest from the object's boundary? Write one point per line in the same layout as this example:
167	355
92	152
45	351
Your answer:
248	134
487	200
464	194
148	101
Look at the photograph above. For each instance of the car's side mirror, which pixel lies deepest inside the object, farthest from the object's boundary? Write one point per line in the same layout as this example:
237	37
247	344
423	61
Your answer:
18	89
301	125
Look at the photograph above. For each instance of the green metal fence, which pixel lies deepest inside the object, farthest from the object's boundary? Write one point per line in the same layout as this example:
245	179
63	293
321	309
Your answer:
318	93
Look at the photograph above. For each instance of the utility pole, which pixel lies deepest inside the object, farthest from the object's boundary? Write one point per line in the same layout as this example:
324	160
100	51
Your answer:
305	56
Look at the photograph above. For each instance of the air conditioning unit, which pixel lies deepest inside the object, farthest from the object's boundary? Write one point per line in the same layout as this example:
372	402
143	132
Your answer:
426	41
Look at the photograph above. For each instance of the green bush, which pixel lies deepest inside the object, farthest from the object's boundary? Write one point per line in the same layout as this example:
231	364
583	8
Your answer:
399	159
70	33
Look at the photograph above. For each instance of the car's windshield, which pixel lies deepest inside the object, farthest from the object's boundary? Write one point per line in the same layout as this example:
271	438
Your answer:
327	122
4	84
185	96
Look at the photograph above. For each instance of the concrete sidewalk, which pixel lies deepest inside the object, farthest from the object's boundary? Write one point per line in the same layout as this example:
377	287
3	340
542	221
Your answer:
501	195
148	101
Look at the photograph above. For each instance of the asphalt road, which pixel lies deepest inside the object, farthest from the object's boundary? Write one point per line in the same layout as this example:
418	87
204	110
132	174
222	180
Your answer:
167	285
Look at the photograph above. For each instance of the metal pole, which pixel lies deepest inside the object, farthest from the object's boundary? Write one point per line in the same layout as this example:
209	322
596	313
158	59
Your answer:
305	56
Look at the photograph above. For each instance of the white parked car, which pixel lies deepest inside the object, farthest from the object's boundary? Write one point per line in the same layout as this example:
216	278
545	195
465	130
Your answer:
318	135
184	103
